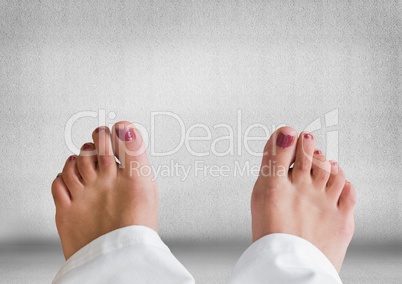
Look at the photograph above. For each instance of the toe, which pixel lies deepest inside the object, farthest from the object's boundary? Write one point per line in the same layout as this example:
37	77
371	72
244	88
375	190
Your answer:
60	192
279	154
86	162
71	176
103	145
347	199
336	181
130	149
304	155
320	170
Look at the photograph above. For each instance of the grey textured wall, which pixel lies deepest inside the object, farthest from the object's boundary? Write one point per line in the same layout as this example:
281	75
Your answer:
278	62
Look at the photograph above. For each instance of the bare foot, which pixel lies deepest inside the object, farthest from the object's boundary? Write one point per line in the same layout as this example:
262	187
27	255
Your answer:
312	200
94	195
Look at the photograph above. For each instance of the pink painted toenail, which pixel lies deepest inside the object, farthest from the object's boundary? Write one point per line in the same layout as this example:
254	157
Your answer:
283	140
86	146
100	129
318	152
126	135
308	136
334	164
72	158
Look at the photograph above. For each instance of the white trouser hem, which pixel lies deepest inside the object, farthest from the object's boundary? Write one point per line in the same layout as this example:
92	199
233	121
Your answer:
284	258
133	254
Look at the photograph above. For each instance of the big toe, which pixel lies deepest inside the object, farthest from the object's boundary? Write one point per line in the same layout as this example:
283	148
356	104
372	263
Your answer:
279	154
130	149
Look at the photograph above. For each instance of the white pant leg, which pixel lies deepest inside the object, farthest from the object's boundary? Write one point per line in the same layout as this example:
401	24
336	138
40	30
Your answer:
284	258
133	254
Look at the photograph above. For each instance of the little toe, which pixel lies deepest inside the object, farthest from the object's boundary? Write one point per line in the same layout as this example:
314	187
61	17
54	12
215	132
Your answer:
104	149
129	148
304	156
86	162
71	175
336	181
279	154
320	170
347	199
60	192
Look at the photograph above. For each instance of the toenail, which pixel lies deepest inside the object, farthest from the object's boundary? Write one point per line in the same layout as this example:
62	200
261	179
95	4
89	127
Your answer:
86	146
100	129
334	164
318	152
308	136
283	140
126	135
72	158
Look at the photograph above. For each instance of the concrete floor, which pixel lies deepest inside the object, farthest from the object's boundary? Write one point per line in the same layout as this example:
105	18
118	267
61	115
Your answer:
208	264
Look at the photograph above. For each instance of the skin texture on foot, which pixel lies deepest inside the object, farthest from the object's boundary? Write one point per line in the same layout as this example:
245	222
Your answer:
311	200
95	195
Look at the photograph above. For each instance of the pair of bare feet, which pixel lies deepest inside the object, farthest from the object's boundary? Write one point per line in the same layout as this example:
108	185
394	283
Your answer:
311	199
